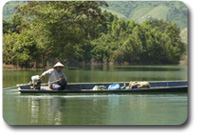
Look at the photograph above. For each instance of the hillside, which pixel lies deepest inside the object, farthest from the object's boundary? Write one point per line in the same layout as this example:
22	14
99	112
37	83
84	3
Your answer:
184	35
138	11
141	11
174	11
10	8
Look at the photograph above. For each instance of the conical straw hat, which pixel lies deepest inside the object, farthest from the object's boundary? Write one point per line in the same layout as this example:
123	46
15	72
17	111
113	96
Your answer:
58	65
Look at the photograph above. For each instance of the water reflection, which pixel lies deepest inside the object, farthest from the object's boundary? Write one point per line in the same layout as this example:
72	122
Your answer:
39	109
73	109
93	109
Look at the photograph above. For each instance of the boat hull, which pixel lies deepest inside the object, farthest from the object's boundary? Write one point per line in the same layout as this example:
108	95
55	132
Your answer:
160	86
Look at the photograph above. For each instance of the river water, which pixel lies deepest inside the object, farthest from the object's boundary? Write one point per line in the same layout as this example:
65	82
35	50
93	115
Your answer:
97	109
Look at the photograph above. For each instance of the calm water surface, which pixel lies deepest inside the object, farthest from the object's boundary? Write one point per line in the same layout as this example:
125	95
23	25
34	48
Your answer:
93	109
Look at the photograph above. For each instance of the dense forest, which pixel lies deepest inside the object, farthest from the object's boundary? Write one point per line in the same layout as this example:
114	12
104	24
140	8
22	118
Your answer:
80	31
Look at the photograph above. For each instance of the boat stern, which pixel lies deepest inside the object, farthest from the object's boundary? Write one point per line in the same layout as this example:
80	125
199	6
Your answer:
23	86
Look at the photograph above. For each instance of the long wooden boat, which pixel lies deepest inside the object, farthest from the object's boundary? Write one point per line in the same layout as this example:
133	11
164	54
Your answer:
156	86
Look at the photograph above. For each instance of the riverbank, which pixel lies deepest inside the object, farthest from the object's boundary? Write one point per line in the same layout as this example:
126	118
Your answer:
16	67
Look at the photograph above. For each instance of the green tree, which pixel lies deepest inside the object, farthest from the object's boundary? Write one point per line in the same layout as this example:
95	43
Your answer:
78	31
13	25
174	46
62	26
9	41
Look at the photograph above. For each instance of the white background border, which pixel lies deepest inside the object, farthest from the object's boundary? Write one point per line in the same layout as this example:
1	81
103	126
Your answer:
191	126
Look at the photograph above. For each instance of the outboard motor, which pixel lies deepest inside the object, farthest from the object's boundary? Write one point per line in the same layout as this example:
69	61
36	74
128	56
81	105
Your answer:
36	82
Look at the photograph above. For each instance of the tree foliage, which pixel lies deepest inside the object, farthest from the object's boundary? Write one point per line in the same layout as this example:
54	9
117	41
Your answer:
78	31
154	42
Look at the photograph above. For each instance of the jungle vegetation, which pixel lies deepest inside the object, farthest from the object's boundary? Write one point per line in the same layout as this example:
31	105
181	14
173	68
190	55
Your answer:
80	31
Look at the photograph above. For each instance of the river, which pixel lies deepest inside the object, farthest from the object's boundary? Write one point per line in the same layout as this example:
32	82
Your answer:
97	109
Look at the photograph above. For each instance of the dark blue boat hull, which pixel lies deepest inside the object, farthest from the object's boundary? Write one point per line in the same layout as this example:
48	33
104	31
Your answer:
156	86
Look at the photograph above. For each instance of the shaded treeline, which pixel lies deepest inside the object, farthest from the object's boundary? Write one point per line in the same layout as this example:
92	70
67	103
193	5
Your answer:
78	31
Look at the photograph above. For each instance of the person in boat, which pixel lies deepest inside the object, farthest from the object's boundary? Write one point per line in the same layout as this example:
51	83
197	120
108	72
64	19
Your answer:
57	79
